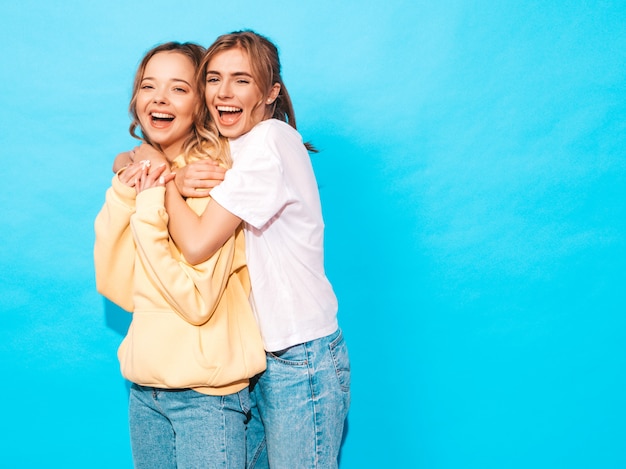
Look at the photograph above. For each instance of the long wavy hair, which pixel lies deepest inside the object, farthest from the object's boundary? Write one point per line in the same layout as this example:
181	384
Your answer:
204	140
266	71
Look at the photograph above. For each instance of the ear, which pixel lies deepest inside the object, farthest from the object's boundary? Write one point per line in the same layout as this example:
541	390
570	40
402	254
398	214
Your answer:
273	94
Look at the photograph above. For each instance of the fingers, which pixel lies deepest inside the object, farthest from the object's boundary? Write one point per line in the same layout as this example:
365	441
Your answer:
199	177
144	172
202	185
203	163
148	178
206	169
163	180
129	175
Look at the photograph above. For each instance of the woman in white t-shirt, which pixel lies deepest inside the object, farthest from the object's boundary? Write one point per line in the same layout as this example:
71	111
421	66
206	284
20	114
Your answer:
301	401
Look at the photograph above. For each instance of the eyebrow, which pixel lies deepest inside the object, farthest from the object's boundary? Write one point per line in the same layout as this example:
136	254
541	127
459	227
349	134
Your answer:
173	79
236	74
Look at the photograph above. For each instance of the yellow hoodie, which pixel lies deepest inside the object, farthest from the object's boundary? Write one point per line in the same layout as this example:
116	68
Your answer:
192	326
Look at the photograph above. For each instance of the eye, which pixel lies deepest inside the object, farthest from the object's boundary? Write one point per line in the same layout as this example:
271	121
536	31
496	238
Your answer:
178	89
212	80
243	81
146	87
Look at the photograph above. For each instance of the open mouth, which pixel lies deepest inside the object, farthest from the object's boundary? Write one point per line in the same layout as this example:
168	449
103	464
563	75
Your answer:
229	114
160	117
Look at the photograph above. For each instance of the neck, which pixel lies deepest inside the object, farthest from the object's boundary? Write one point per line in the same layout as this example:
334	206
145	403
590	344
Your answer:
172	152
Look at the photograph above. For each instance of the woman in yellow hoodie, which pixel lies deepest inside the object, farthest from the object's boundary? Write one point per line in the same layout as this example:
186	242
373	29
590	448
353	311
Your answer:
193	343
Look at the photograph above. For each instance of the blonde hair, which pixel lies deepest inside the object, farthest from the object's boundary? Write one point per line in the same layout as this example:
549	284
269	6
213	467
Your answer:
204	140
266	68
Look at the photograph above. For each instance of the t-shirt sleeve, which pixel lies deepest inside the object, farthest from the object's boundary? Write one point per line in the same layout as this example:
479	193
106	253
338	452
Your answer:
254	189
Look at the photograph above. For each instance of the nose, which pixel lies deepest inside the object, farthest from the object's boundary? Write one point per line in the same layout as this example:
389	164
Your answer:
159	96
225	89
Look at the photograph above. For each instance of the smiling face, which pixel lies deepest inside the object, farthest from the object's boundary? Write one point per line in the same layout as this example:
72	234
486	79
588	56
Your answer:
233	96
166	101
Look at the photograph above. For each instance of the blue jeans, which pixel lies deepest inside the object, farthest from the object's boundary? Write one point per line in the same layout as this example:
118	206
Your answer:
186	429
299	405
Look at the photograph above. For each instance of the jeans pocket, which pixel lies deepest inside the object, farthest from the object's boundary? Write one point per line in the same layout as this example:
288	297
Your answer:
295	356
339	352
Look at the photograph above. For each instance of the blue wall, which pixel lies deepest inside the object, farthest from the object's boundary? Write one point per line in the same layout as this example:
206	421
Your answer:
473	176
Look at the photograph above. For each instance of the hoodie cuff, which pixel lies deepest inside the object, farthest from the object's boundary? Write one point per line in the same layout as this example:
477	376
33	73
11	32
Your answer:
125	193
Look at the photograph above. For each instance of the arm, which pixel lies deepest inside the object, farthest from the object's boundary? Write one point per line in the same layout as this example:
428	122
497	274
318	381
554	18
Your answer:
114	248
255	188
192	291
198	236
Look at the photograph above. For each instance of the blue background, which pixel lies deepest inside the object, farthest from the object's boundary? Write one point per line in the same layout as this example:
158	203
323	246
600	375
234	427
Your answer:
473	176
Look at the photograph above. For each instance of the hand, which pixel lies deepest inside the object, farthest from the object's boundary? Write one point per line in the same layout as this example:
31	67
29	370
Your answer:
122	160
150	177
148	152
132	172
143	152
198	178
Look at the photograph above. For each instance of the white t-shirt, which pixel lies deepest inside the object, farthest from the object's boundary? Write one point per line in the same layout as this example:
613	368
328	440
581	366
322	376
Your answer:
273	189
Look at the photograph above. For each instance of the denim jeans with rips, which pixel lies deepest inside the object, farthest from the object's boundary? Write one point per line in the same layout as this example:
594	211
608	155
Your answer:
299	405
186	429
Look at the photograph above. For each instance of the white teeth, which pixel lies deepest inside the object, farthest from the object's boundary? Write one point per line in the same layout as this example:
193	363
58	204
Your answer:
228	109
161	115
